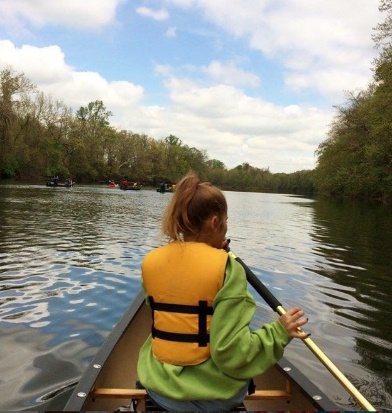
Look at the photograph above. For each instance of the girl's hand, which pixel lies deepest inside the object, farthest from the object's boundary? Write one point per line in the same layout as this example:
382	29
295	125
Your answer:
293	320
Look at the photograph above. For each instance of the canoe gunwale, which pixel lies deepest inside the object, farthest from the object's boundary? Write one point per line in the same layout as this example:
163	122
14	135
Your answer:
307	387
87	381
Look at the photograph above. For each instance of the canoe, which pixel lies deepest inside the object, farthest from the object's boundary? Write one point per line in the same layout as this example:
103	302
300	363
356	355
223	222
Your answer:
60	185
131	188
162	191
109	381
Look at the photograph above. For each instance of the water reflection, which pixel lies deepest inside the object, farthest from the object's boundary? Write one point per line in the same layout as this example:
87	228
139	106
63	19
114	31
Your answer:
353	241
70	260
319	254
69	266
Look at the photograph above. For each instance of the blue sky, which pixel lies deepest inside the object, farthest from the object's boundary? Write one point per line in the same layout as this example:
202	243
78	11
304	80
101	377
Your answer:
245	80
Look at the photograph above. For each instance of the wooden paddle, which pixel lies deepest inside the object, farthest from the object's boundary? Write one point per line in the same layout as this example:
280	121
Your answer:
276	306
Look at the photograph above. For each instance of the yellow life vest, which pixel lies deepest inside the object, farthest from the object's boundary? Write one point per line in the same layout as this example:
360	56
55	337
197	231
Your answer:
182	280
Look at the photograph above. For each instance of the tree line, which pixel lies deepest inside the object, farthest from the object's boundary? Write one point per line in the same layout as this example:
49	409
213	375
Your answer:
41	137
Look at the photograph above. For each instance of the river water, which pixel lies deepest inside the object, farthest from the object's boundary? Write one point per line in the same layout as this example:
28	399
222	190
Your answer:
69	267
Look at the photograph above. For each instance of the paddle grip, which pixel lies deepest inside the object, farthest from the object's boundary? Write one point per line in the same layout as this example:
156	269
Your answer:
269	298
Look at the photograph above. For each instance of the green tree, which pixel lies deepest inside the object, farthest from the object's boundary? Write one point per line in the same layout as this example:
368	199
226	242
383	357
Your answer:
176	164
95	130
383	31
14	95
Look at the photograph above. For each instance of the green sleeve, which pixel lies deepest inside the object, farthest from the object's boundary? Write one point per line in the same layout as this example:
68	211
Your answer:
235	349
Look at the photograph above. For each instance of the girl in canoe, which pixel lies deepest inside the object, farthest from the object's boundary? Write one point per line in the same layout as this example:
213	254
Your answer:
202	354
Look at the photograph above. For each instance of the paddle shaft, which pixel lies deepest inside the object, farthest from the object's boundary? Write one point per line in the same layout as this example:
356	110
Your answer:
276	306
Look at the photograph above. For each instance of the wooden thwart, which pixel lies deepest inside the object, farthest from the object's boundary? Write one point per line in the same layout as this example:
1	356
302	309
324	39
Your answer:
269	395
139	394
111	393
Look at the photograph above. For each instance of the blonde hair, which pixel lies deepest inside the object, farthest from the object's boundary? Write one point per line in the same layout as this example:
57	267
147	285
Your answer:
192	203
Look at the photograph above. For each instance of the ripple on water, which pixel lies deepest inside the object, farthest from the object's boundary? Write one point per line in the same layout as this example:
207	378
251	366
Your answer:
70	265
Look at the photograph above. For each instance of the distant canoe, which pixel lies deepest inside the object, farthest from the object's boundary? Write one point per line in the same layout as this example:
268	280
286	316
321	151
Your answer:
131	188
60	185
162	191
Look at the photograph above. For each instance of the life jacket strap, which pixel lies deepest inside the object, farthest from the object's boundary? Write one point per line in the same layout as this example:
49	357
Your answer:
202	310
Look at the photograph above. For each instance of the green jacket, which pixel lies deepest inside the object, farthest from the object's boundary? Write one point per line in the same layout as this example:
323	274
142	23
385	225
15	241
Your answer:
237	353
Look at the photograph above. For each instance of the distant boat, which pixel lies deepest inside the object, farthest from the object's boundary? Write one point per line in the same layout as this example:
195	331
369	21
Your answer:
131	187
60	184
165	189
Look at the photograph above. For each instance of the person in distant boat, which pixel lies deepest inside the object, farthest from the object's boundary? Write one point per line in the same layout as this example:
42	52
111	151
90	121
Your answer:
202	353
124	183
68	181
162	186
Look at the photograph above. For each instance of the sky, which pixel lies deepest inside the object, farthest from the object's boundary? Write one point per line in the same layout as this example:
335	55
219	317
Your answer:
248	81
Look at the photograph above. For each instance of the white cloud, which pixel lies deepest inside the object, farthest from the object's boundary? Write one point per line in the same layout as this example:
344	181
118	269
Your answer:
171	32
230	74
329	82
46	68
43	65
73	13
84	87
236	128
309	38
161	14
163	69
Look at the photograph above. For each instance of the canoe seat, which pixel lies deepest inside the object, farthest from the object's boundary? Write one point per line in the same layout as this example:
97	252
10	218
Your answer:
141	394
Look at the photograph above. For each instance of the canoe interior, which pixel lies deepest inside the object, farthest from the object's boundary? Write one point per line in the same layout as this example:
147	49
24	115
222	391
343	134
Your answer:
115	367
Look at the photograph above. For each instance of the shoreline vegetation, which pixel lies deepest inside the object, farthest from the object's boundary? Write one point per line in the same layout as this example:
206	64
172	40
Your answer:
41	137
